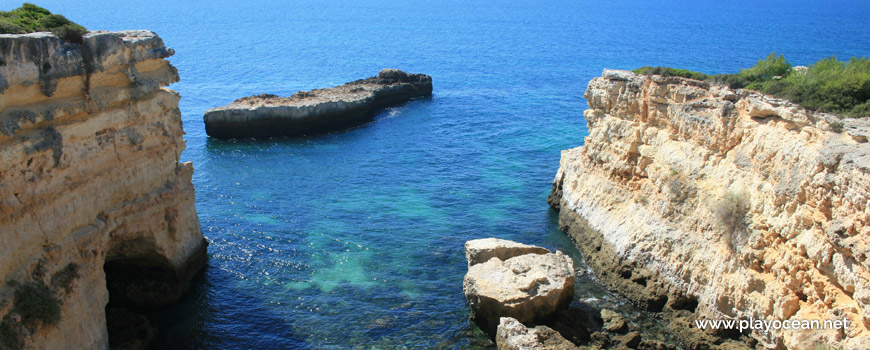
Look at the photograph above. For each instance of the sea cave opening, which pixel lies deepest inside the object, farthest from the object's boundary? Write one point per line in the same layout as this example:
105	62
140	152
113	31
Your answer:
138	280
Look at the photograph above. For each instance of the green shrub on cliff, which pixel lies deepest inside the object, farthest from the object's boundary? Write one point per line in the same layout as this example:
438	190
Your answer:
9	338
671	72
829	85
766	69
36	304
30	18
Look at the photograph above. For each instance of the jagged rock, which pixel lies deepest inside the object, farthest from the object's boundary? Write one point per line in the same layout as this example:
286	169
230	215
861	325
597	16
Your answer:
315	111
574	324
653	345
481	250
527	287
630	340
613	322
600	339
513	335
89	146
392	73
662	152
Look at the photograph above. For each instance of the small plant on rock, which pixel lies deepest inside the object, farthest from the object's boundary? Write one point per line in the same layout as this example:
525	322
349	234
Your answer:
730	213
679	186
9	338
36	304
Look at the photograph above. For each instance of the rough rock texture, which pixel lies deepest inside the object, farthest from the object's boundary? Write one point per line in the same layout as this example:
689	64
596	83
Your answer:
315	111
513	335
526	287
481	250
89	157
613	322
702	201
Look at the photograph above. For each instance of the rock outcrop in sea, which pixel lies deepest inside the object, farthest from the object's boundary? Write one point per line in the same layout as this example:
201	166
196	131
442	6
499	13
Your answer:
514	335
520	295
523	282
315	111
95	206
707	203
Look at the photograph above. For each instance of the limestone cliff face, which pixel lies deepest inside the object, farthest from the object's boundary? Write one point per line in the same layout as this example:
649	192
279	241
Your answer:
706	202
92	183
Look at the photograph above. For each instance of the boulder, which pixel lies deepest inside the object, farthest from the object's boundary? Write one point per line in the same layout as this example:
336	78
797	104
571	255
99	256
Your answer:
527	287
613	322
481	250
392	73
631	340
513	335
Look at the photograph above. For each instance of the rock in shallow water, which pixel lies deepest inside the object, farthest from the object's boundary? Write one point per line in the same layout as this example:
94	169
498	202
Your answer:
527	287
613	322
314	111
481	250
513	335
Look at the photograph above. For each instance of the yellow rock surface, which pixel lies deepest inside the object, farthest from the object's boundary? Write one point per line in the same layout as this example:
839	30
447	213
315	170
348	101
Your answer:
89	157
640	198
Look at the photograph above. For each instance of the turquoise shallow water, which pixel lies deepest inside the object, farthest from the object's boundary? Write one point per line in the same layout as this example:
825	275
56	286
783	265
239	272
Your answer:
354	239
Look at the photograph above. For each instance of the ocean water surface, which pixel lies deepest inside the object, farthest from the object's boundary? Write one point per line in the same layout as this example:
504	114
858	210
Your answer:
355	239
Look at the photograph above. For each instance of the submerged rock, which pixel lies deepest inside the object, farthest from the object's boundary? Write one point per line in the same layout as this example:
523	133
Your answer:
528	287
315	111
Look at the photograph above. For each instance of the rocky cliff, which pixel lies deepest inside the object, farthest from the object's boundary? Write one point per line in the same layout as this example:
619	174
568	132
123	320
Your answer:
704	202
92	186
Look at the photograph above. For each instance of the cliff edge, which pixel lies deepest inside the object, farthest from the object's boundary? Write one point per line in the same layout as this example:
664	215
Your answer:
703	202
94	203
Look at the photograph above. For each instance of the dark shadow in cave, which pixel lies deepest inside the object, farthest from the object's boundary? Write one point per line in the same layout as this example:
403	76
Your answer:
138	279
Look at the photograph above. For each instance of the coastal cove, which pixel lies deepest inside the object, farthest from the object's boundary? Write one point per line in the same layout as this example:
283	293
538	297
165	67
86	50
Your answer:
354	239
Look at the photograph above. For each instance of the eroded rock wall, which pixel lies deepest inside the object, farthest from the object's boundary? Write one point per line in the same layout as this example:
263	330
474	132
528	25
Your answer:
89	162
653	201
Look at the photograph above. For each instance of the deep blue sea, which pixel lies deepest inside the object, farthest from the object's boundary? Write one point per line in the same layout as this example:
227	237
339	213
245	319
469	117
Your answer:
355	239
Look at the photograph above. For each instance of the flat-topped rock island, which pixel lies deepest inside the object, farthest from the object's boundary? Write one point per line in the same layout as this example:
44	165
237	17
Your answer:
315	111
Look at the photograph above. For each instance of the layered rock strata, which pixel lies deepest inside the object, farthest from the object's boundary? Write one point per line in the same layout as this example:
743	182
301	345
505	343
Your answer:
705	202
516	282
92	185
315	111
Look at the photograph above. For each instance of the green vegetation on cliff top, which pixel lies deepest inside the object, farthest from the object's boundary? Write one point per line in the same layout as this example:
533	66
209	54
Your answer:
829	85
30	18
